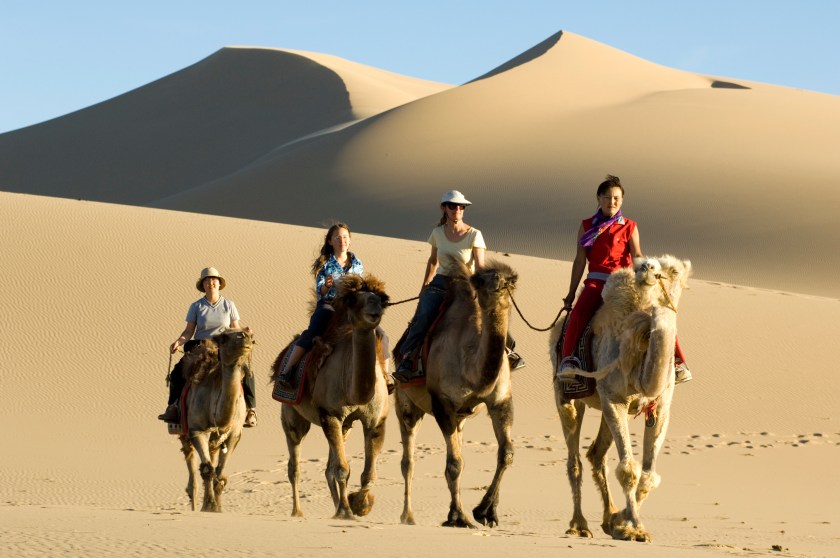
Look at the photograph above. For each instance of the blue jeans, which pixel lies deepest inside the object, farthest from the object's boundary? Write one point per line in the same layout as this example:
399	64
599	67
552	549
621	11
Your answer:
427	310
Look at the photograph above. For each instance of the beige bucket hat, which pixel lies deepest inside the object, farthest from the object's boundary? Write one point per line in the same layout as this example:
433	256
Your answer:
210	272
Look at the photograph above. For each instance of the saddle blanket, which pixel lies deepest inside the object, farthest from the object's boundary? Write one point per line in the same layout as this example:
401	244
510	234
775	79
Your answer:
293	395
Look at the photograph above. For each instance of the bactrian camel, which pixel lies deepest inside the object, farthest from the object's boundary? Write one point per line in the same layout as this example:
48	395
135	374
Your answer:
346	384
466	367
633	349
215	412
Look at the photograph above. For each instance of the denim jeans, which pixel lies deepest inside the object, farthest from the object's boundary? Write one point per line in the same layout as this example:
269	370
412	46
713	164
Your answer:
427	310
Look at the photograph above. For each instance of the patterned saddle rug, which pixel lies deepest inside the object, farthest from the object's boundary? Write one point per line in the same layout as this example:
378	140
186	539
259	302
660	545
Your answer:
294	394
580	387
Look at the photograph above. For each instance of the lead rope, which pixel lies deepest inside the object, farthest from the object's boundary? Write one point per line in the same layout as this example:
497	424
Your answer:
667	296
518	311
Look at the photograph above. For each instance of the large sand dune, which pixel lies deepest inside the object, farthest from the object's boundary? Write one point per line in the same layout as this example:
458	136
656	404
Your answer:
262	147
731	173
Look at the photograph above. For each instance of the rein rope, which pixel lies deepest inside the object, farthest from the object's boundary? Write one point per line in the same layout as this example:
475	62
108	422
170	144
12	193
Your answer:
518	311
402	301
667	296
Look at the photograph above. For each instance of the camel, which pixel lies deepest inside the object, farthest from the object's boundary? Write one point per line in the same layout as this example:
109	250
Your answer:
633	349
215	412
348	385
466	367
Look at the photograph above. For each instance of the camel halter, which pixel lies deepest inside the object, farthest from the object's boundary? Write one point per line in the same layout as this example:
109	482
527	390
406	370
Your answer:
667	296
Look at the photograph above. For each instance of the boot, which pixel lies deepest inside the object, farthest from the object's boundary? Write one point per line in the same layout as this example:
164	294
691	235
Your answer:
284	378
681	373
171	414
405	371
250	418
515	360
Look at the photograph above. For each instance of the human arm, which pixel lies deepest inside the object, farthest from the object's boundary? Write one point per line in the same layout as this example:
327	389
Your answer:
478	256
235	325
185	336
635	244
578	267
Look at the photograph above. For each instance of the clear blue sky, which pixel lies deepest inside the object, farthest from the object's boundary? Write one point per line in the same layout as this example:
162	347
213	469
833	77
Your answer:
59	56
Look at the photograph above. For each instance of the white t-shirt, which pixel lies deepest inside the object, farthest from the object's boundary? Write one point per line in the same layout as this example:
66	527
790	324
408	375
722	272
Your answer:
462	250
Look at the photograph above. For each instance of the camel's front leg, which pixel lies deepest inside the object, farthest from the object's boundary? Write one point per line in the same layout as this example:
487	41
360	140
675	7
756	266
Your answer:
338	471
361	502
201	444
454	463
501	414
597	456
410	416
654	439
571	419
625	524
192	466
295	427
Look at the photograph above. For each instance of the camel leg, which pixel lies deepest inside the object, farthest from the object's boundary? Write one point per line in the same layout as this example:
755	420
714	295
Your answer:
653	441
338	471
201	444
361	502
625	523
571	419
410	416
192	466
454	463
597	456
501	416
295	427
220	459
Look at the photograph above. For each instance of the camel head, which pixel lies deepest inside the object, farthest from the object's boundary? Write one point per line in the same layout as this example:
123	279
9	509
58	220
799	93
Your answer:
362	299
234	344
674	275
647	271
494	281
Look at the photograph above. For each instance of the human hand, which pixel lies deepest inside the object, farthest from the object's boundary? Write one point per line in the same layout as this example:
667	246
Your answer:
568	301
173	348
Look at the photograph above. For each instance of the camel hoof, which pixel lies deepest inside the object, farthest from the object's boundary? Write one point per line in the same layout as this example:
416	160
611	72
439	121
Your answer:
486	516
344	514
361	502
407	519
458	520
297	513
582	533
628	533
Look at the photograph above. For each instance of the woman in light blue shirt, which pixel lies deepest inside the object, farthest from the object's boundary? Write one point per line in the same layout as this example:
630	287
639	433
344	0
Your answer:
334	260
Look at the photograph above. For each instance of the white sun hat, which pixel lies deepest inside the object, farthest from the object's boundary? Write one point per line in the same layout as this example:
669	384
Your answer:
454	196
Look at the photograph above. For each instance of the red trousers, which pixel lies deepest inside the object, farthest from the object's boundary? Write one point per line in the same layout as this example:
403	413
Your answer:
587	304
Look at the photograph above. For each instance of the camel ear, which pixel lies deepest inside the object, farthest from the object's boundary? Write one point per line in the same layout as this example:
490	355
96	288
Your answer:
384	299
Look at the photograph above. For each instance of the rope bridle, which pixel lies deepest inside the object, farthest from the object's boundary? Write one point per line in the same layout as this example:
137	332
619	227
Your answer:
518	311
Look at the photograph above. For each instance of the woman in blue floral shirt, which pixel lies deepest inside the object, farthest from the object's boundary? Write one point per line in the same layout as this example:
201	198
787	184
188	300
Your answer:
334	261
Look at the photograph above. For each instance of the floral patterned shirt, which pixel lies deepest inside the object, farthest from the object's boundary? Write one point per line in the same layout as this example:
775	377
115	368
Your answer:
332	267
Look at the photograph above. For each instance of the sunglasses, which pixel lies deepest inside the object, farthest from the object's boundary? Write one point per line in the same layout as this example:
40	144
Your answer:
454	206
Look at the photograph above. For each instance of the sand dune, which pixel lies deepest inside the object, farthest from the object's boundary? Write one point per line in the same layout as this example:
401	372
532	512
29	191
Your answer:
87	465
258	148
724	171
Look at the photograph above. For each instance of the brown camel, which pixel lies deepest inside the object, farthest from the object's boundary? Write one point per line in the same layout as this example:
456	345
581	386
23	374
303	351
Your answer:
466	366
346	384
635	331
215	413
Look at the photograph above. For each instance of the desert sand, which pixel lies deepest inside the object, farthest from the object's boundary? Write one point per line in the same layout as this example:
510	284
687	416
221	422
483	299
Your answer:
97	291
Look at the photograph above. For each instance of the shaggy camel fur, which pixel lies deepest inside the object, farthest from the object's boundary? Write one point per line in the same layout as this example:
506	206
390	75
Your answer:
346	384
635	333
215	413
466	367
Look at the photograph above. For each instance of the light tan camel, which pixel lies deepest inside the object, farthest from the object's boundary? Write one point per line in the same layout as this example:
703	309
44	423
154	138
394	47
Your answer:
466	367
215	413
635	331
348	385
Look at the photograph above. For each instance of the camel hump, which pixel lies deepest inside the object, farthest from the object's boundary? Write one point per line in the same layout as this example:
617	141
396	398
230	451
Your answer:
201	361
